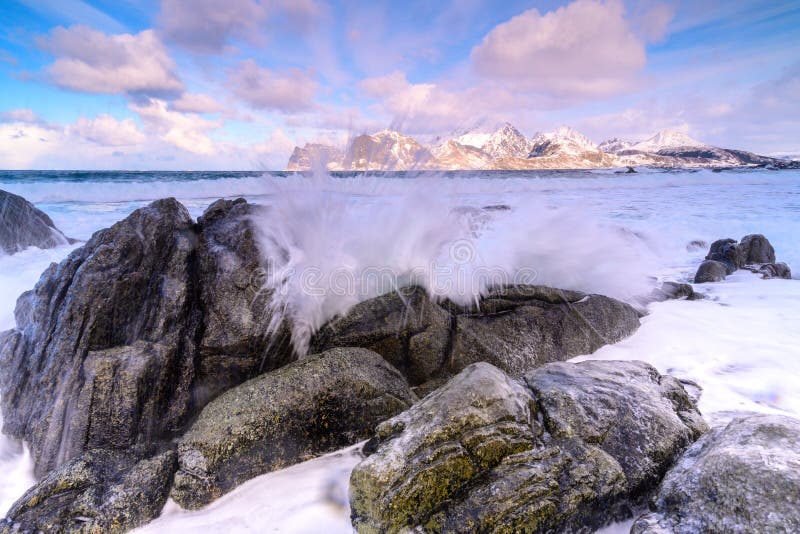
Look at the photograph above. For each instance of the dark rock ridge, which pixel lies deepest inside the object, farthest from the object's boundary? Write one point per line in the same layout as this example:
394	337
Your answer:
100	491
315	405
515	328
567	449
22	226
743	477
122	342
754	253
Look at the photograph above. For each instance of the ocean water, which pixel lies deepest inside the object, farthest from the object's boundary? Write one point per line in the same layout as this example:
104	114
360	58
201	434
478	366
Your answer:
593	231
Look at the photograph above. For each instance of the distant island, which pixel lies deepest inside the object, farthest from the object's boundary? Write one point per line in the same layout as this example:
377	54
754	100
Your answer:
506	148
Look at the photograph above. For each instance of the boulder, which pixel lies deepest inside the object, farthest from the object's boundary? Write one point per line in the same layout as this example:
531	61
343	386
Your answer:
515	328
711	271
743	477
772	270
315	405
120	344
22	226
518	328
405	327
675	291
100	491
569	448
727	252
755	248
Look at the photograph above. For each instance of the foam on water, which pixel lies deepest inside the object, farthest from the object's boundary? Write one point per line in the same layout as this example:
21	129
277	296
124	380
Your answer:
742	345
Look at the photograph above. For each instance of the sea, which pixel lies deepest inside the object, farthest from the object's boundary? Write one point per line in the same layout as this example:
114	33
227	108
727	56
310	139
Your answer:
595	231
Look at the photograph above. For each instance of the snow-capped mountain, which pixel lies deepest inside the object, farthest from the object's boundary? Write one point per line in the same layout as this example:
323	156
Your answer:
313	154
667	139
563	140
507	142
385	150
452	155
507	148
615	145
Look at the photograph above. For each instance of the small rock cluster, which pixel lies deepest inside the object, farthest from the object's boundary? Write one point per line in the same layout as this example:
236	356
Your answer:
754	252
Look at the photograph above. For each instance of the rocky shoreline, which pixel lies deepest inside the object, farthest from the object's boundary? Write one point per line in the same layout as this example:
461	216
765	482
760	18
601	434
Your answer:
141	368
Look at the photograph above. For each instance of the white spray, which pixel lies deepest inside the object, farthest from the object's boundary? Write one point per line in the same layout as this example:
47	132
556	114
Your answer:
332	242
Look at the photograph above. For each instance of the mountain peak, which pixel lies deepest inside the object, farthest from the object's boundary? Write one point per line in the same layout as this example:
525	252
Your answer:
667	138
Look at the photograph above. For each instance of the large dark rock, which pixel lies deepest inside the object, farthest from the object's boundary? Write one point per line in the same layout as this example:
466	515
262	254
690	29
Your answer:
100	491
711	271
515	328
128	337
755	248
405	327
726	251
521	327
773	270
568	449
22	226
744	477
315	405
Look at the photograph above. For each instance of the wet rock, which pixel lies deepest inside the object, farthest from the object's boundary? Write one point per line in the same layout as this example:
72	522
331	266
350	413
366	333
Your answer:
773	270
675	290
696	244
515	328
405	327
521	327
567	449
234	345
22	226
315	405
755	248
711	271
120	344
100	491
744	477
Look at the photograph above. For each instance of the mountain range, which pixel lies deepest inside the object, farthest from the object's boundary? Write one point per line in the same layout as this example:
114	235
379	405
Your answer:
506	148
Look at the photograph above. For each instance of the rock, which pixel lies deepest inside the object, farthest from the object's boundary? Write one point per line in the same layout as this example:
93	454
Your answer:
744	477
405	327
22	226
315	405
120	344
234	345
726	252
567	449
774	270
675	290
696	244
515	328
710	271
755	248
100	491
521	327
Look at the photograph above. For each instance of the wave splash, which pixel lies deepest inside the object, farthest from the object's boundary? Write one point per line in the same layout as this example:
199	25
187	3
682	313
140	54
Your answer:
330	243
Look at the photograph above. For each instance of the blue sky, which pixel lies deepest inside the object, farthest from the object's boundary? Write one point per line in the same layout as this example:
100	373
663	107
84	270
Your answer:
235	84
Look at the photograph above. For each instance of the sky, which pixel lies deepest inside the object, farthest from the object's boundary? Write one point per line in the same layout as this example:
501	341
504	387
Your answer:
236	84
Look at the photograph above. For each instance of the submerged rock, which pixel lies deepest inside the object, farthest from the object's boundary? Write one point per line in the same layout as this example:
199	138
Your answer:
675	290
123	341
515	328
315	405
100	491
22	225
569	448
744	477
771	270
710	271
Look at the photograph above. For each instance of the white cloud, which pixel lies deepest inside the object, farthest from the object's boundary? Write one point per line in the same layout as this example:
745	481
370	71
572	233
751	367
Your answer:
91	61
584	49
288	91
186	131
206	25
196	103
20	115
21	143
107	131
